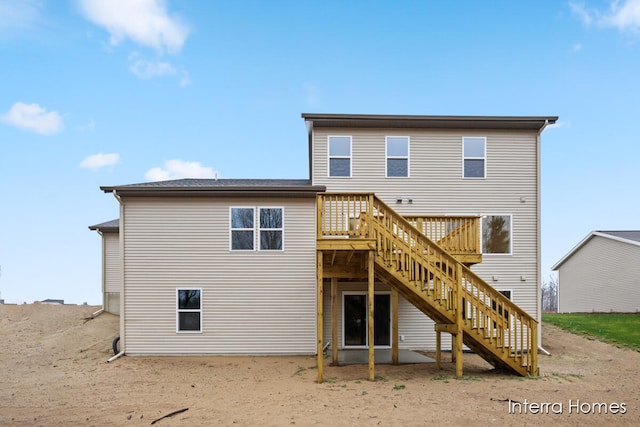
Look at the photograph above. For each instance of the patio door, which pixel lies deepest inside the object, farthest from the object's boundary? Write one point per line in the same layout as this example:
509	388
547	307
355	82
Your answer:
355	320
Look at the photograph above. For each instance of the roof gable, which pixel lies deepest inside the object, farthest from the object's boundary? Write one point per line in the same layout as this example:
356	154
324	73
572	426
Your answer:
631	237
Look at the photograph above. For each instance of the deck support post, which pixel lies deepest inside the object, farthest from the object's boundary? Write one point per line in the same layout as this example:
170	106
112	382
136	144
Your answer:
371	295
459	320
319	274
394	327
438	354
334	321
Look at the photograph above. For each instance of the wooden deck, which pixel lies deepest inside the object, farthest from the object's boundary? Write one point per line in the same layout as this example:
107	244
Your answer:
424	259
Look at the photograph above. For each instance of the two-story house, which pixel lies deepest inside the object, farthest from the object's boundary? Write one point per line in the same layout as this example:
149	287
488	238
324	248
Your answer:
408	226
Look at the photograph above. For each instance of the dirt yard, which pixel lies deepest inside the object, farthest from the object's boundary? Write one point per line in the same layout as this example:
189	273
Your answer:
53	371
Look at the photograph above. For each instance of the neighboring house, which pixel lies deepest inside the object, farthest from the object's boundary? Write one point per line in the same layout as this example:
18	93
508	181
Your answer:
53	301
241	266
601	274
110	264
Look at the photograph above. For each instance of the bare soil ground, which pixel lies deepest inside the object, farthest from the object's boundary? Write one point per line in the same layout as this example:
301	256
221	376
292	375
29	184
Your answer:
53	371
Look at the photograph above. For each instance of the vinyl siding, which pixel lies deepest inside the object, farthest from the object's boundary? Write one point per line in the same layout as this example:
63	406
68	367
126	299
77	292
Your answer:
417	329
111	272
437	187
602	276
253	302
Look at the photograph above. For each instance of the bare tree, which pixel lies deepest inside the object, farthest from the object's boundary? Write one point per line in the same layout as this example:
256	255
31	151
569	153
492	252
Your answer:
550	295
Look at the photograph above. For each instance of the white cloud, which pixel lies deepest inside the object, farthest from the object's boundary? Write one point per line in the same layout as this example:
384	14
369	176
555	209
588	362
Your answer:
623	15
100	160
176	169
33	117
148	69
145	22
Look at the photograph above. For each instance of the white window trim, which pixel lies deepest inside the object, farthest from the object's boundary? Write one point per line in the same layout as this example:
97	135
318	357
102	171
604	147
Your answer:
179	310
511	234
231	229
475	158
259	229
365	293
329	156
387	157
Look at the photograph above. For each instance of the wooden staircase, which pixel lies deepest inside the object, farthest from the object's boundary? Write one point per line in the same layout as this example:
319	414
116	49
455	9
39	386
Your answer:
436	281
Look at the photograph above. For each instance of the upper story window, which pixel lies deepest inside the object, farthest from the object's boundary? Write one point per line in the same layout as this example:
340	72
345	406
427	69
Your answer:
189	310
474	157
264	233
397	156
496	234
340	156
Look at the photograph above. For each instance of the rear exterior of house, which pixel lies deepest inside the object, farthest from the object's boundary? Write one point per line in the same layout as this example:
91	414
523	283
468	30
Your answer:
601	274
238	266
434	160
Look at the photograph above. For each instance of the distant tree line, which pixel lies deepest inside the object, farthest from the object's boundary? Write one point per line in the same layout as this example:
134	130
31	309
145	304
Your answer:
550	295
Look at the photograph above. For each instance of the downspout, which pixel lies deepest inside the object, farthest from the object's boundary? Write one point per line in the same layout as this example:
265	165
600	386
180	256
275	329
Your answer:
122	295
538	240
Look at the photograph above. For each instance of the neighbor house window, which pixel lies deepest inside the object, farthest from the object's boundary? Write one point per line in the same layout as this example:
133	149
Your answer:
474	157
496	234
397	156
189	310
242	229
339	156
271	228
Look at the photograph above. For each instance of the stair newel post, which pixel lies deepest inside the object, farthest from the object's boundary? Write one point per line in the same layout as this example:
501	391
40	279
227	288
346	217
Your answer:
459	320
534	349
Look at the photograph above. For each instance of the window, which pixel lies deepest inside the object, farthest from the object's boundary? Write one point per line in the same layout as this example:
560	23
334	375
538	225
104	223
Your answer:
189	310
397	156
242	228
340	156
271	229
496	234
474	157
264	233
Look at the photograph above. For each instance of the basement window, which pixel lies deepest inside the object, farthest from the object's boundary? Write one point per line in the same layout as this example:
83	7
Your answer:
189	310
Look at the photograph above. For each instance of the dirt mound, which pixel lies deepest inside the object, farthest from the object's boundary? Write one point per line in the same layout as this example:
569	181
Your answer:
54	372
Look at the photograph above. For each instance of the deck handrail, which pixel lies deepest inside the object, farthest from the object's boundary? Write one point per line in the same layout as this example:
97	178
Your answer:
489	317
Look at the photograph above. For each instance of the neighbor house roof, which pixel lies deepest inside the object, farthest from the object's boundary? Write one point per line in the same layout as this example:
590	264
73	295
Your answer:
631	237
109	226
221	187
536	123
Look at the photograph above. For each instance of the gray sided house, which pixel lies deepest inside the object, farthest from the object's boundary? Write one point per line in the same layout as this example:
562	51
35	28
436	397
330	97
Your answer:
430	222
111	271
601	274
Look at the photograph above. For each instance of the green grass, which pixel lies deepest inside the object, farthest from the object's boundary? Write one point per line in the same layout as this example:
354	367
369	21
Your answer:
619	329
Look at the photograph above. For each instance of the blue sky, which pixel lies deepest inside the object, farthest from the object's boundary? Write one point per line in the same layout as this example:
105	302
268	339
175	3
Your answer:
108	92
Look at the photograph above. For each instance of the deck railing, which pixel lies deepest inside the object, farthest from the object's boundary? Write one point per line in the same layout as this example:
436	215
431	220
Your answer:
490	320
455	234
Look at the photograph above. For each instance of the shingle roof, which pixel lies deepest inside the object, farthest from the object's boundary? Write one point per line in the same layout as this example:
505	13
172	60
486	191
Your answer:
631	237
627	235
221	187
219	183
113	225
